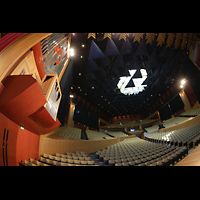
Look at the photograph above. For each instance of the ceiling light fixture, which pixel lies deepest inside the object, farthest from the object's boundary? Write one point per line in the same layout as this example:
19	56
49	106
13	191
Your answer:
182	83
71	52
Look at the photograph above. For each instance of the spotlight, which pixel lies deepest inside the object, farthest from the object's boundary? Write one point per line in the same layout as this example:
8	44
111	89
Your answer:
183	82
71	52
181	86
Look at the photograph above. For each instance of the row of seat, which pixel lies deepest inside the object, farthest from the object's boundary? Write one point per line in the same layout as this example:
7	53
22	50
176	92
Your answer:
173	121
117	134
68	159
96	134
180	137
33	162
166	124
71	132
192	112
135	151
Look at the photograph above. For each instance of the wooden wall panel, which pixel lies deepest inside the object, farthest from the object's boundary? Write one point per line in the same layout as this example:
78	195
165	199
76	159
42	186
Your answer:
27	66
7	124
21	99
51	145
21	144
27	146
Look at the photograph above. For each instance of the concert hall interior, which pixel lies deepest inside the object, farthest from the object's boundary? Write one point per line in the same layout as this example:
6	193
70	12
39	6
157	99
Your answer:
99	99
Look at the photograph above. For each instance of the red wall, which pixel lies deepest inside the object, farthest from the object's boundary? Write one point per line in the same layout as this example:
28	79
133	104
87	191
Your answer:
27	145
21	145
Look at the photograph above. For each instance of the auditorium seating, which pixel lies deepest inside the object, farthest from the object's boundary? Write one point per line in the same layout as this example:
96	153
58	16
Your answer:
71	132
180	137
68	159
191	113
167	123
173	121
129	152
96	134
138	152
117	134
152	128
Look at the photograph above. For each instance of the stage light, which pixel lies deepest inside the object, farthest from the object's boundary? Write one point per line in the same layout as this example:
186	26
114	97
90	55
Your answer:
183	82
71	96
181	86
71	52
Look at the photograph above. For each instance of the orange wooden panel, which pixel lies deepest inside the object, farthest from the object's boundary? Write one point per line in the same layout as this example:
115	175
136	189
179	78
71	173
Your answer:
27	146
7	124
42	117
22	101
21	97
14	85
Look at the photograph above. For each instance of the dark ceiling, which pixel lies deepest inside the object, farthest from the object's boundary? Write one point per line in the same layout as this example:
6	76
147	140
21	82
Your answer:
100	61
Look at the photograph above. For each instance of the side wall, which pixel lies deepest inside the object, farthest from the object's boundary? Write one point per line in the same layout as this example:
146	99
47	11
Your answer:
21	144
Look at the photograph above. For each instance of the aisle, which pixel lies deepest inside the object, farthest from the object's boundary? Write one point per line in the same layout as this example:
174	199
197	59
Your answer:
96	160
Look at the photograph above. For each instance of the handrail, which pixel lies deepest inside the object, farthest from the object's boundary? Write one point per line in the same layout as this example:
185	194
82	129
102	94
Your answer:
8	39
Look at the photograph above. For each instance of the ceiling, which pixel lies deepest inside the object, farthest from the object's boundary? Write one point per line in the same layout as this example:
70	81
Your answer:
100	60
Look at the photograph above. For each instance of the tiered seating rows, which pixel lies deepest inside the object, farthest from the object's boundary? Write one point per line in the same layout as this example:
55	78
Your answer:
168	123
95	134
117	134
135	151
180	137
175	120
191	113
68	159
152	128
71	132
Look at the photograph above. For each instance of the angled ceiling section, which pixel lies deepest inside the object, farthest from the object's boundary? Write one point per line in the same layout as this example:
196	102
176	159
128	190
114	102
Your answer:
126	48
110	59
92	66
95	51
119	63
111	49
134	63
142	50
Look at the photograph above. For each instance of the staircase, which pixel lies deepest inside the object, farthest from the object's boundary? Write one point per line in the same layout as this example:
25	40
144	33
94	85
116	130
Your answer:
96	160
84	135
